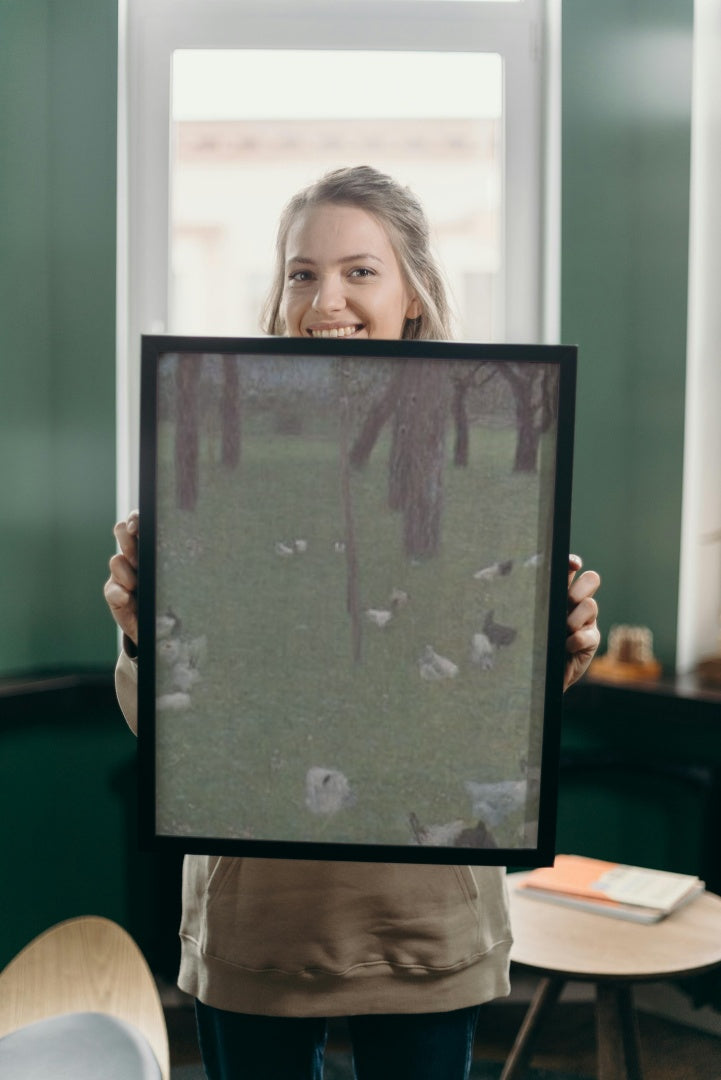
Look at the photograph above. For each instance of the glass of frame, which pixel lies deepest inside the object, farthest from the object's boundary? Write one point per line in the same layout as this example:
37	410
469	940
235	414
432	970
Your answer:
352	597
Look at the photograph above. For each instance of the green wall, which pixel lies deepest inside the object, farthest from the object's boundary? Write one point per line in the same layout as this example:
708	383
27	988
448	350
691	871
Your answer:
58	72
626	138
625	199
66	800
68	803
66	758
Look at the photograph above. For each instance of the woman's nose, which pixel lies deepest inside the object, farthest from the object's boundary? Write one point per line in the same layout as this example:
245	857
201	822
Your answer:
329	296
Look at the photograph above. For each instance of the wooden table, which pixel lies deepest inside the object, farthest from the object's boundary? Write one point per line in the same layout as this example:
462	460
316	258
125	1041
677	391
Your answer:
564	944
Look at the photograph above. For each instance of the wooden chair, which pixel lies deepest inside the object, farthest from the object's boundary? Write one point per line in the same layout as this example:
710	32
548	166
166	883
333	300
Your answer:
90	972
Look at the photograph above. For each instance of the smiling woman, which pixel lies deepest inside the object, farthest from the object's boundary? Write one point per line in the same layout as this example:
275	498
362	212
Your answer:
294	940
353	259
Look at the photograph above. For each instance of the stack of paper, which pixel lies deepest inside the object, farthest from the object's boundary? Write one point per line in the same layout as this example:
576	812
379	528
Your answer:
608	888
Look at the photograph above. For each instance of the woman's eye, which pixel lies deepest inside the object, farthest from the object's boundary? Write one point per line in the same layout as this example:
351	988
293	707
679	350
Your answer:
300	276
362	272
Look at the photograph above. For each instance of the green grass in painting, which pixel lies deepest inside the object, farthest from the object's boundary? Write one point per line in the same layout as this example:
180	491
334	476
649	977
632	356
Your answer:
280	692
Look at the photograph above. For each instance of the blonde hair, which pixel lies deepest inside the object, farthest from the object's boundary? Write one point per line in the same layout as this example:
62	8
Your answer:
403	217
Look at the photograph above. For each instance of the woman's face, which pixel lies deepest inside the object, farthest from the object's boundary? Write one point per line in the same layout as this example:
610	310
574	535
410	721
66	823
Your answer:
342	277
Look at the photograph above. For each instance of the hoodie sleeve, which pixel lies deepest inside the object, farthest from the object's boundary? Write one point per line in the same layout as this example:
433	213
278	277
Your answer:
126	688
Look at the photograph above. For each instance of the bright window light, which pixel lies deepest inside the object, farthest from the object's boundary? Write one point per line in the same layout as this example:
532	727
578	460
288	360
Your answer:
250	127
220	84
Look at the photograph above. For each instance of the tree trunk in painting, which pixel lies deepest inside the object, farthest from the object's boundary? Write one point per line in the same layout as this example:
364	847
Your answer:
230	413
459	409
377	416
351	550
398	481
460	419
534	411
529	436
417	457
187	376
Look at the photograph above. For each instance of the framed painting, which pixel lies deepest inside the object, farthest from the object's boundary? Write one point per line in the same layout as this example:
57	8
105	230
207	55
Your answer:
352	597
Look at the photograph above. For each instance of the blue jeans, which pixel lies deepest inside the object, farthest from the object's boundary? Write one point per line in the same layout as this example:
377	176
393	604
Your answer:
415	1046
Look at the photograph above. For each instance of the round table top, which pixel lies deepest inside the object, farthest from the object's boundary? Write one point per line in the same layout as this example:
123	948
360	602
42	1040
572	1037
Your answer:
559	940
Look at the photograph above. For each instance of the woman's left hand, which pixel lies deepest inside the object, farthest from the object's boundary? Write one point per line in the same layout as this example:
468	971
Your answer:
583	635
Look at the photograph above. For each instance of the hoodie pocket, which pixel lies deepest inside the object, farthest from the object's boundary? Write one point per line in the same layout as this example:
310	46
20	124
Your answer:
201	875
295	916
468	883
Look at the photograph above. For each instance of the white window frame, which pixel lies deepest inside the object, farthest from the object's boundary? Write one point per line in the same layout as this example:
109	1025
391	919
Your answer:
699	597
526	34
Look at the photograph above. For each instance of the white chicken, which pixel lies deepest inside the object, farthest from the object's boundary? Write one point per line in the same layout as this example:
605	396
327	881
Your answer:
378	616
433	666
327	790
497	569
495	802
483	653
175	702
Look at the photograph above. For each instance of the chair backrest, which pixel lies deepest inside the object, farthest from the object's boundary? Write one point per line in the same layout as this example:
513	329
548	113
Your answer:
87	964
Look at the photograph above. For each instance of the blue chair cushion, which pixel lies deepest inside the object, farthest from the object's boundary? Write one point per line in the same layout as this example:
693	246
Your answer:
78	1046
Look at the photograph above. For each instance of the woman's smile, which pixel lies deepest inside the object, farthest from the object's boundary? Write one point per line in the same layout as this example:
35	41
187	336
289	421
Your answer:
334	331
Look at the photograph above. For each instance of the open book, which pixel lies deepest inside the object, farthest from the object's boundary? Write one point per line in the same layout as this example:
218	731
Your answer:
608	888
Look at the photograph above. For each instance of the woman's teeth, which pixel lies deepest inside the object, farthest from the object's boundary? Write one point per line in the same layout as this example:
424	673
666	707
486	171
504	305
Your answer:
337	331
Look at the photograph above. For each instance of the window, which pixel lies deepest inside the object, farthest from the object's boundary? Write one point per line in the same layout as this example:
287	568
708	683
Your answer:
227	107
236	161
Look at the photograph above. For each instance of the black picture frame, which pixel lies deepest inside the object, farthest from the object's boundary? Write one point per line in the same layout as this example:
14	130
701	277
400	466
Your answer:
353	568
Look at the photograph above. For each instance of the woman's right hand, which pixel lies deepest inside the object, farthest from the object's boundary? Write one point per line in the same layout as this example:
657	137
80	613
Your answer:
121	587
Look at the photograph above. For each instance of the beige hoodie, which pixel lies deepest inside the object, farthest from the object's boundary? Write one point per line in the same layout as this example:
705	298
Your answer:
284	937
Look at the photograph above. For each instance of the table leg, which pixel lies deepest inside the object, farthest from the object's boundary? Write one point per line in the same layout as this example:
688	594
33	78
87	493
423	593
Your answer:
617	1033
545	997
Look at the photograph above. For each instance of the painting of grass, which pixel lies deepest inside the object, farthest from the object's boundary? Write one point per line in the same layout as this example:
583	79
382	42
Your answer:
318	678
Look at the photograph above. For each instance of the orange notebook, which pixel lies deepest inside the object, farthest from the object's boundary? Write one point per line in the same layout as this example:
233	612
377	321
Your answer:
631	892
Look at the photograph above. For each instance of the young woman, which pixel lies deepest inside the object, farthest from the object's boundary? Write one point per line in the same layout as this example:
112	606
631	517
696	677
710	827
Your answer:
272	948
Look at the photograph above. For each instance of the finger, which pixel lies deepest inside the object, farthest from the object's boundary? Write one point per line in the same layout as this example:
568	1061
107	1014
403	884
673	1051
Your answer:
583	641
118	598
584	613
585	585
575	562
123	608
126	534
122	571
